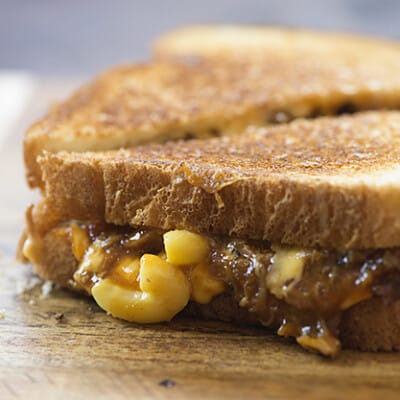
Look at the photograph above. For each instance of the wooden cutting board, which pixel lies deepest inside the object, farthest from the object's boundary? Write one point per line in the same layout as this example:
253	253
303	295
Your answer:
57	345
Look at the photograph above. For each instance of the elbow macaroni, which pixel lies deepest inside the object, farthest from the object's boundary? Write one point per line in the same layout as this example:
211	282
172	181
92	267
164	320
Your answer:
151	288
163	292
184	247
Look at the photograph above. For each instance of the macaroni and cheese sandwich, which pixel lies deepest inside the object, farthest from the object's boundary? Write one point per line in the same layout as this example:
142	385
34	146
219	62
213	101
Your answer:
292	225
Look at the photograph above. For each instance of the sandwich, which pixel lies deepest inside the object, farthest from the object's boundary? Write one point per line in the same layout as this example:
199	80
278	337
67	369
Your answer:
283	76
295	227
291	226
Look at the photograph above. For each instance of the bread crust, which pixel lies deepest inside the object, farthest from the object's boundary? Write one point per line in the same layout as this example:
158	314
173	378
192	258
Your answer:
331	182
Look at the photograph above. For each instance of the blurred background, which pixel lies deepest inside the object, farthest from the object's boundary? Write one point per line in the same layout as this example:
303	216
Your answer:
81	37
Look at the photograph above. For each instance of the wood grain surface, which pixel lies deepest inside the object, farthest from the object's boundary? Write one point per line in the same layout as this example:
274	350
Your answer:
58	345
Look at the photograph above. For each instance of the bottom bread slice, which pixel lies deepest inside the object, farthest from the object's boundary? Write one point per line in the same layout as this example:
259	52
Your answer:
371	324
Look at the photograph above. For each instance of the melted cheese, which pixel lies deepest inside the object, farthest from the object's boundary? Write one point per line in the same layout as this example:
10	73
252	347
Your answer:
204	285
285	271
27	250
80	241
326	344
151	288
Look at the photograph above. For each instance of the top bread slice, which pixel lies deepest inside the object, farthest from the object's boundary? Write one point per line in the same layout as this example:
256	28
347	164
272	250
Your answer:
203	97
330	182
219	41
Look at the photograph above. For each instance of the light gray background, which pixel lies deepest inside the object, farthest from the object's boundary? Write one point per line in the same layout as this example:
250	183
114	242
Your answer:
80	37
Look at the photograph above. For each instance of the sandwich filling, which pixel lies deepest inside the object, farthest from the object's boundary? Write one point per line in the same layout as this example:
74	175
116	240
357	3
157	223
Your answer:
147	275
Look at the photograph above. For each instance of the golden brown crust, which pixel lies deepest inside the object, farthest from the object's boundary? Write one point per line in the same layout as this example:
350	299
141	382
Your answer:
330	182
166	100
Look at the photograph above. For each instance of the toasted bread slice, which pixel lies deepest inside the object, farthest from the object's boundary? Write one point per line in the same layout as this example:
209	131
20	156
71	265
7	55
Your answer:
219	41
330	182
189	98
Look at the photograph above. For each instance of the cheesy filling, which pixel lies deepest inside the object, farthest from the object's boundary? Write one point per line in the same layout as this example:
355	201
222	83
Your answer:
147	288
148	276
285	271
150	288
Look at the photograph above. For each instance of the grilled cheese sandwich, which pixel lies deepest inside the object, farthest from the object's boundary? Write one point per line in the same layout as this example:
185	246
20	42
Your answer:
293	226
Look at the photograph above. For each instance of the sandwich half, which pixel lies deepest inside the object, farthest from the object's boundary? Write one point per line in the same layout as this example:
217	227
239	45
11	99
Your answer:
277	75
295	227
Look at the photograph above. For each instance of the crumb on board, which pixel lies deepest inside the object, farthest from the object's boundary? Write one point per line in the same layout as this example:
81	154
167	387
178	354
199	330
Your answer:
47	287
2	314
167	383
33	288
59	317
26	285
